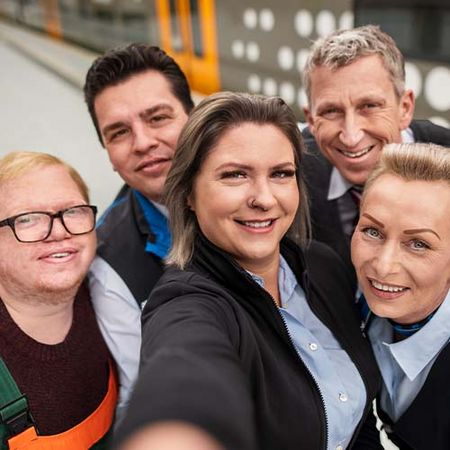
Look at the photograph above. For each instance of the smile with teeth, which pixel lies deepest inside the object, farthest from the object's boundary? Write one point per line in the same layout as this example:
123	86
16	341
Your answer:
386	287
257	224
362	152
60	255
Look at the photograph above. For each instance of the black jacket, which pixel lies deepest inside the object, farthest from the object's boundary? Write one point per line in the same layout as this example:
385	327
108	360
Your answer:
425	424
216	353
325	218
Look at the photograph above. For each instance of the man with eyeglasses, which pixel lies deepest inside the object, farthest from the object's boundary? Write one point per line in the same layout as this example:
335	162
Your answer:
57	383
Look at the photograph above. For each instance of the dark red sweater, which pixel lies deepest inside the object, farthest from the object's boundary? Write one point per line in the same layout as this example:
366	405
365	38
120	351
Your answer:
64	383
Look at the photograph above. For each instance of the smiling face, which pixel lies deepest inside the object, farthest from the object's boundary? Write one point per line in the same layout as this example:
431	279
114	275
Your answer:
354	111
246	196
55	265
140	121
401	247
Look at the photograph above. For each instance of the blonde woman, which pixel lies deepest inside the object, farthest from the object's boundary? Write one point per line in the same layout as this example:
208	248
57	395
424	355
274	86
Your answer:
401	252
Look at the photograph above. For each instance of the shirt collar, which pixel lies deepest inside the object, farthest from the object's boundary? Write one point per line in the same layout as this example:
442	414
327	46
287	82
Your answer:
414	353
339	185
408	136
158	224
286	281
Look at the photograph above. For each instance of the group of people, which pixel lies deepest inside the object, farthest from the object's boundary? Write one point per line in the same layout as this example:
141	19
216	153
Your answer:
284	279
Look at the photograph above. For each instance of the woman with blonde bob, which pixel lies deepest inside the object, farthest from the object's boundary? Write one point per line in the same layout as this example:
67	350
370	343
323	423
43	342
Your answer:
401	252
251	334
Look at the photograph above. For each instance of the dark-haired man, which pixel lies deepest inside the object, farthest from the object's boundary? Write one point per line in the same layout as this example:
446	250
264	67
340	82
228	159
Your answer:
139	100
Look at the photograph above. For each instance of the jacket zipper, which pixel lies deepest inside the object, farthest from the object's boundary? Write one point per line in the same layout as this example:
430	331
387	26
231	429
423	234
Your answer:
274	305
311	375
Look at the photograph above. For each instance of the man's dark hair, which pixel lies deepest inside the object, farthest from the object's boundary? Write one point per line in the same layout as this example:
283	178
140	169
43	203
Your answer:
119	64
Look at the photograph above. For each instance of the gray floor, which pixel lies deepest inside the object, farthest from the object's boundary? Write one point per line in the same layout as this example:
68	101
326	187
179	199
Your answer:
42	112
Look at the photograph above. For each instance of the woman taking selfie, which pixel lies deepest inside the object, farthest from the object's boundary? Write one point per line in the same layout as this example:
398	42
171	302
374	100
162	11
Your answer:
251	334
401	251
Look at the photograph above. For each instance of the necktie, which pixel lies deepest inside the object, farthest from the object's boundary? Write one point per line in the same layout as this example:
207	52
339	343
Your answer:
356	194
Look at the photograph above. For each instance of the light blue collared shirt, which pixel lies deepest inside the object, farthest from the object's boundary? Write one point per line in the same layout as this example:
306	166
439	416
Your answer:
405	365
341	386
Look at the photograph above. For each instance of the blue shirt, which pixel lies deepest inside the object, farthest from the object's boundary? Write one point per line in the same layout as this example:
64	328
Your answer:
405	365
338	379
159	226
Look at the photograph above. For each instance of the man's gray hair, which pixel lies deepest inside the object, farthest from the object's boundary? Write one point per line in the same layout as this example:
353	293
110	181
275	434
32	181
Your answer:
343	47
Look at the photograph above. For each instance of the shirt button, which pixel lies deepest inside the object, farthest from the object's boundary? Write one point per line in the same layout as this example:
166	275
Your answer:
339	447
343	397
313	346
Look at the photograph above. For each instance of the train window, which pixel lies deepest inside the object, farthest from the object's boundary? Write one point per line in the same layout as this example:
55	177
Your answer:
175	27
196	28
421	29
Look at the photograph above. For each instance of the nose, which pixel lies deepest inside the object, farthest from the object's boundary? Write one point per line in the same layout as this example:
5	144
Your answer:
58	231
351	133
386	260
144	138
262	196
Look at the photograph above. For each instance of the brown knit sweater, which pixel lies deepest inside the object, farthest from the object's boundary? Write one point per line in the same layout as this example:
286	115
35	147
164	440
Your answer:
64	383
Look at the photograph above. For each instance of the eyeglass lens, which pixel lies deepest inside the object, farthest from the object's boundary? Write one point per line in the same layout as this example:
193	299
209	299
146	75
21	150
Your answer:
36	226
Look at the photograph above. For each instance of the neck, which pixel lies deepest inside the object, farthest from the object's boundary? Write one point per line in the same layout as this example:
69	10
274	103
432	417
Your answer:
46	318
269	273
403	331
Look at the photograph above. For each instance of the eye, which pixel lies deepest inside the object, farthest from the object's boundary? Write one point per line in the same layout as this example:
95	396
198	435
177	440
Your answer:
286	173
372	233
369	106
117	134
233	174
330	113
418	244
158	120
29	220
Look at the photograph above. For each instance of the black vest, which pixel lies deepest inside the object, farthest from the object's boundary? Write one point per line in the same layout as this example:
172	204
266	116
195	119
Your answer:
123	233
425	425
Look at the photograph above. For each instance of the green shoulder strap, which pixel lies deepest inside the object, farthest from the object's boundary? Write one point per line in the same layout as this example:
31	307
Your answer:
14	414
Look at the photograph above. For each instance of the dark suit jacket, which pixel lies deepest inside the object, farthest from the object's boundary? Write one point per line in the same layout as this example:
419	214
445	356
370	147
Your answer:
325	218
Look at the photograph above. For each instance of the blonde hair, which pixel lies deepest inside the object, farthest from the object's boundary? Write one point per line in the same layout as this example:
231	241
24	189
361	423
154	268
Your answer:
208	122
16	164
412	162
343	47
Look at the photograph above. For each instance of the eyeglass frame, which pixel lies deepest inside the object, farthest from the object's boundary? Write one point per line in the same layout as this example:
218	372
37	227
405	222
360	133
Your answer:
9	222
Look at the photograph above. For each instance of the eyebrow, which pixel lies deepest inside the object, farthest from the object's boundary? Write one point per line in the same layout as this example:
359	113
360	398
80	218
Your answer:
412	231
247	167
422	230
147	112
156	109
373	219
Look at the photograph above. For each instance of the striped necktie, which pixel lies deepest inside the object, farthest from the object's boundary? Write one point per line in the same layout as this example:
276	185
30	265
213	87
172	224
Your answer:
356	193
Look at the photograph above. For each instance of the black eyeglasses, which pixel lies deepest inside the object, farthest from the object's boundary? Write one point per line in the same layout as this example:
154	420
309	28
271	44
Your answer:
36	226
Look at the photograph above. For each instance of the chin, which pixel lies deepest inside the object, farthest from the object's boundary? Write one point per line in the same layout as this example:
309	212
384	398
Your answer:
61	283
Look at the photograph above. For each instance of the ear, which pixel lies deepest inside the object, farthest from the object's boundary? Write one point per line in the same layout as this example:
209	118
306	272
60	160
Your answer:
309	118
407	102
190	202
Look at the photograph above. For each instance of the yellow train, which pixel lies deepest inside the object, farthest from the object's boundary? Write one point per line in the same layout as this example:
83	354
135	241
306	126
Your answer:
256	46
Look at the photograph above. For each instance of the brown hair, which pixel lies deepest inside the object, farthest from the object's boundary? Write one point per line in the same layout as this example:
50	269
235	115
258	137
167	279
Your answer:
210	120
